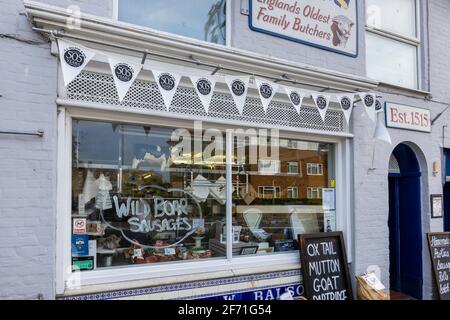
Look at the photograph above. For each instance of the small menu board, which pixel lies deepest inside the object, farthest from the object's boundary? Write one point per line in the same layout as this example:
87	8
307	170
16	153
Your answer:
325	268
439	244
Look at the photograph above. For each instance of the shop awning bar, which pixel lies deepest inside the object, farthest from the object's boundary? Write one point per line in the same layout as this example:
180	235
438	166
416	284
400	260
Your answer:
38	133
191	59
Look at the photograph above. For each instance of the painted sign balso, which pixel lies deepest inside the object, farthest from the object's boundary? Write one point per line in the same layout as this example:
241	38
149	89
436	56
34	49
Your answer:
326	24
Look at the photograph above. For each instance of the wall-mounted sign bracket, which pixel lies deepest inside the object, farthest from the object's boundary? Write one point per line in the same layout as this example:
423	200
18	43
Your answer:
39	133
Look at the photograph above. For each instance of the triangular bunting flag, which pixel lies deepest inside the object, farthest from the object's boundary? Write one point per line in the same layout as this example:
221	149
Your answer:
368	100
296	97
74	59
204	86
267	91
346	103
124	73
238	87
378	106
322	102
381	132
167	83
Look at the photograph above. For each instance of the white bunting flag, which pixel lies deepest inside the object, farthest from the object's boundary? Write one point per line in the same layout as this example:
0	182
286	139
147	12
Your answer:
204	86
267	91
167	83
368	100
296	97
124	73
322	102
378	106
74	59
238	87
381	132
346	103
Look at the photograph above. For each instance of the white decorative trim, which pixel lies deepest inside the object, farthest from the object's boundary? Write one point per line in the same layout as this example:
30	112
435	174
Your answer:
186	286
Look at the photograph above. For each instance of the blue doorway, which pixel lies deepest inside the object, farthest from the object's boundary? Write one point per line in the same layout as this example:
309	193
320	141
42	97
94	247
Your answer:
447	207
447	191
405	224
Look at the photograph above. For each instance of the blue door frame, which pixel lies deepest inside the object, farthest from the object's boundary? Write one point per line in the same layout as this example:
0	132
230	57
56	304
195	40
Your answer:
447	207
446	192
405	225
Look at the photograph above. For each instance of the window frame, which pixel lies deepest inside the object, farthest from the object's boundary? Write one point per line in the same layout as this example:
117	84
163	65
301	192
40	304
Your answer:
276	190
121	275
310	190
316	166
292	189
408	40
228	20
295	164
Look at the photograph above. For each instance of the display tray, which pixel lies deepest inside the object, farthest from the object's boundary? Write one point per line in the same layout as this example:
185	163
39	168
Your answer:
216	246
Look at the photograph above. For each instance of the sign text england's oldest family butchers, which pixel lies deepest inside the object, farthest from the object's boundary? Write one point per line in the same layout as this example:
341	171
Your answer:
327	24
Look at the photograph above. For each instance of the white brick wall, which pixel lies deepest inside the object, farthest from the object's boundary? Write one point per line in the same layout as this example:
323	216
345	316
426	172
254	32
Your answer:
27	164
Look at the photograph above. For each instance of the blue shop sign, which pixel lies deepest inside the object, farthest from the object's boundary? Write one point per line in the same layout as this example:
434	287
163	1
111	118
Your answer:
260	294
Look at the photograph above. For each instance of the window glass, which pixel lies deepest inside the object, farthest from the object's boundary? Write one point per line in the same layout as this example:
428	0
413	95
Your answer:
140	195
397	16
314	169
391	61
199	19
272	207
292	192
293	168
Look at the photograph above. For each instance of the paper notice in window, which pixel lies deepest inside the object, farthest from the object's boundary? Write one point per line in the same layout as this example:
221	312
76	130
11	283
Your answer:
328	199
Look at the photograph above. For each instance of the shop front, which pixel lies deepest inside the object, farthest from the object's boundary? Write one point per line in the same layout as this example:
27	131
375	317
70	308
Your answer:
209	210
196	181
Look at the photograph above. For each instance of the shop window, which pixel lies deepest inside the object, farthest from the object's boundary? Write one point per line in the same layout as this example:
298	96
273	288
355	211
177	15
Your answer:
314	169
199	19
292	168
393	42
145	198
271	209
144	194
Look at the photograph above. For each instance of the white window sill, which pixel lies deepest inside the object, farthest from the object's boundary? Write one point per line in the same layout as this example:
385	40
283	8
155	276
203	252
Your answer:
171	273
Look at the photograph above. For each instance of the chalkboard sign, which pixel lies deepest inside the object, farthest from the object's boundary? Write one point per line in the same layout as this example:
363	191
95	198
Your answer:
325	268
439	244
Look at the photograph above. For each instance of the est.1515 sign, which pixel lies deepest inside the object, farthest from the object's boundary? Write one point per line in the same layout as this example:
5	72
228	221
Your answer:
408	118
328	24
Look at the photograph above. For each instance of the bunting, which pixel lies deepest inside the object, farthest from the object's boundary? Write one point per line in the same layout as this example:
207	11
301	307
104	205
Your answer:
124	73
295	97
204	86
74	58
322	102
238	88
267	91
346	103
368	100
168	84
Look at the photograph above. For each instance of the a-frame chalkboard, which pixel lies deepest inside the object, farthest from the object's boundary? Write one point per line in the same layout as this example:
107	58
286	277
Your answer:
324	267
439	244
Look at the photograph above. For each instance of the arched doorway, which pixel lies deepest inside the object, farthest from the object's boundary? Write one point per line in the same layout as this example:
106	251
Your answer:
405	223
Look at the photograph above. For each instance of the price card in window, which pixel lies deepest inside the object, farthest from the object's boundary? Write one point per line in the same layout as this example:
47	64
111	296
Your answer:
329	199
